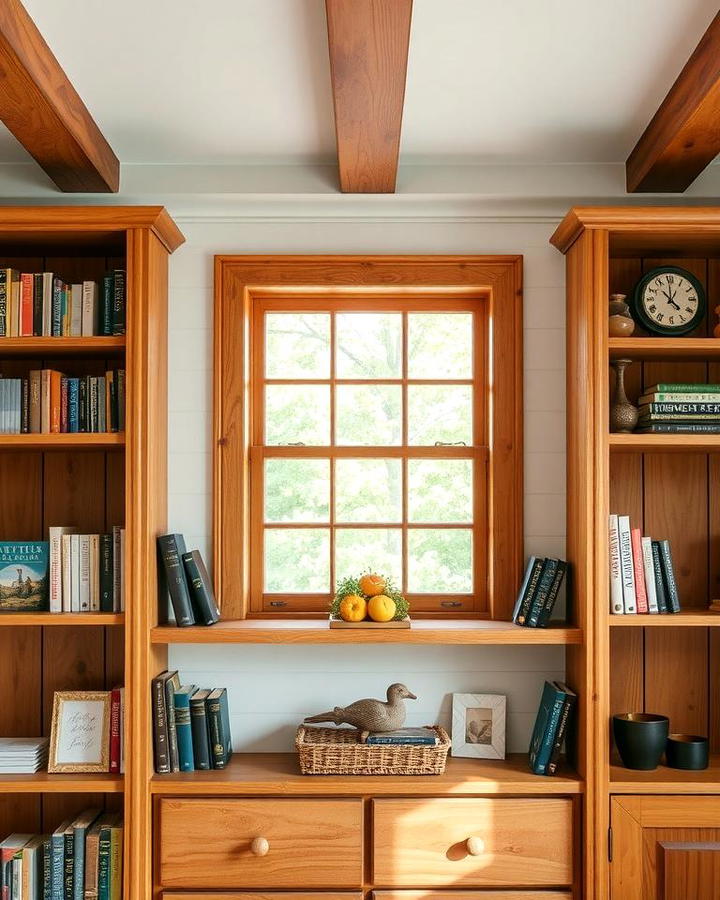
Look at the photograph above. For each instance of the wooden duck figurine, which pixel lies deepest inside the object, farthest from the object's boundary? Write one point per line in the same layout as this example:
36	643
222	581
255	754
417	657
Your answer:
371	715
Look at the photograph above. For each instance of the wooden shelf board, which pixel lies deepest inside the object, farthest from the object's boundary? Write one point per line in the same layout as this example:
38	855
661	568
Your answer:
317	631
279	773
664	443
46	619
107	440
61	346
688	618
44	783
664	780
636	348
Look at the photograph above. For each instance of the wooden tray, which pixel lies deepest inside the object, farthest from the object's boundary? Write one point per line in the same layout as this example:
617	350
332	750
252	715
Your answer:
367	623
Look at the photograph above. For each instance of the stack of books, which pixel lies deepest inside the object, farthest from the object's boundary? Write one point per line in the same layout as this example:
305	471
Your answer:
82	858
23	756
86	570
556	706
678	408
41	304
185	577
539	591
191	727
423	737
642	577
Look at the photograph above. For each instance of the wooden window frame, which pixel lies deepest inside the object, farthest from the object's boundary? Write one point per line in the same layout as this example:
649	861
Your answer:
240	281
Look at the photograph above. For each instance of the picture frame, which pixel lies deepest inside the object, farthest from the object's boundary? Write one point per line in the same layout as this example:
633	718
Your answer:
80	732
478	725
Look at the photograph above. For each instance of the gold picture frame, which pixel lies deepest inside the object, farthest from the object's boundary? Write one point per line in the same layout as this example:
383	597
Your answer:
80	732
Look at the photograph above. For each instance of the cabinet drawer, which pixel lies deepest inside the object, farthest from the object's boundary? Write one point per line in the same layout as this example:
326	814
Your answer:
309	843
517	842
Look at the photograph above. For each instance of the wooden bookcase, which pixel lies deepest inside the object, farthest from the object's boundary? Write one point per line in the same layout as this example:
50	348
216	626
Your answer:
670	486
93	481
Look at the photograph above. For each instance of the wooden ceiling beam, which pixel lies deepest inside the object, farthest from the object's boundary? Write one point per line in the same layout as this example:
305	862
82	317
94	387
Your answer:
39	105
684	134
368	64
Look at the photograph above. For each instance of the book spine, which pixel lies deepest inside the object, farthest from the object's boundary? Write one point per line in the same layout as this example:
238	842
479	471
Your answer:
638	571
121	399
549	605
106	573
523	587
93	405
183	729
55	401
679	398
681	428
170	555
543	590
69	864
172	731
118	315
219	738
529	592
79	863
649	572
3	303
200	734
37	305
46	893
204	607
73	405
695	409
64	406
659	583
560	735
666	564
116	860
106	306
400	741
56	308
160	732
682	418
104	847
115	731
616	589
89	308
84	566
542	758
26	305
626	565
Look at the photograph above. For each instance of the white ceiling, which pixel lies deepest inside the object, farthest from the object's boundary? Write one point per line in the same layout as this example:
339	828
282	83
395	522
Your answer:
245	81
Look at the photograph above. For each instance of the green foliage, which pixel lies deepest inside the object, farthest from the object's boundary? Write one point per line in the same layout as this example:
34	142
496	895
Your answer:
351	585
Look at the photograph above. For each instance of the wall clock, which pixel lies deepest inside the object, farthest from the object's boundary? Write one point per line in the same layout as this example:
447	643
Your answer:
669	301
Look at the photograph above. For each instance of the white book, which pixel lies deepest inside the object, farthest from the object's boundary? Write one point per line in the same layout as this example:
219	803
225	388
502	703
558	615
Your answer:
616	585
649	569
66	558
117	569
94	572
89	308
76	310
56	533
626	565
75	566
84	573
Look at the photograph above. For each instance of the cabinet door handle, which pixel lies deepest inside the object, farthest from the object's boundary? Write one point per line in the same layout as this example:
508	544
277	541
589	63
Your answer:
260	846
475	846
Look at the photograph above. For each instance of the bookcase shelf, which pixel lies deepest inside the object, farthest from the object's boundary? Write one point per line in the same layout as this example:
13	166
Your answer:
44	783
61	346
316	631
664	443
650	348
67	620
688	618
99	441
664	780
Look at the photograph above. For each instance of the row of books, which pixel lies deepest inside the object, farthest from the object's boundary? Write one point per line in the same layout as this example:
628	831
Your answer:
191	726
48	402
539	591
81	860
551	727
642	577
23	756
679	408
41	304
185	578
86	570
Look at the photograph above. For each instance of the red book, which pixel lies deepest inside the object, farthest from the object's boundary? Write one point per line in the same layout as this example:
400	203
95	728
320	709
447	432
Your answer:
639	569
115	706
26	304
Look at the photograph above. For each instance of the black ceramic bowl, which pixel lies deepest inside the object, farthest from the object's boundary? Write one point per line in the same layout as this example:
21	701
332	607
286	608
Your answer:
640	739
687	751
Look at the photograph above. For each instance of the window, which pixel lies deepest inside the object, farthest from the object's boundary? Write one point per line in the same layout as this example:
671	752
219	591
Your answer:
360	427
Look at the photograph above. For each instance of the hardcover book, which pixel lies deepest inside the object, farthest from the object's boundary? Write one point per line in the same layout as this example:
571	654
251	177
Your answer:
547	577
200	586
565	716
626	565
219	725
616	588
183	727
527	589
418	736
546	727
200	731
24	576
171	548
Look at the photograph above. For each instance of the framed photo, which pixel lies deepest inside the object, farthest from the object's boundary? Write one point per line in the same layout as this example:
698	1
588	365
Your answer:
80	734
478	725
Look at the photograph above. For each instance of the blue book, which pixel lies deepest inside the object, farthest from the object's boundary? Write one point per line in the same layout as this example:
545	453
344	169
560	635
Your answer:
69	861
547	576
57	850
546	726
47	869
80	827
183	727
74	405
24	576
416	736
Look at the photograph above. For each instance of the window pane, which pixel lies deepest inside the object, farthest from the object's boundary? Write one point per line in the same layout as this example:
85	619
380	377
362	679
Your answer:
440	560
440	490
297	560
368	414
368	490
369	345
440	345
360	549
297	490
297	345
297	413
439	413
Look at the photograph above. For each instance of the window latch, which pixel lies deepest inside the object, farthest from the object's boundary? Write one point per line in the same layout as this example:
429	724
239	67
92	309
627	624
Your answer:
278	603
450	444
451	604
294	444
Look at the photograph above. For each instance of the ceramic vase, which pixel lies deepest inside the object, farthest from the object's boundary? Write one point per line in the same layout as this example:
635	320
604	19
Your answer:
620	322
623	413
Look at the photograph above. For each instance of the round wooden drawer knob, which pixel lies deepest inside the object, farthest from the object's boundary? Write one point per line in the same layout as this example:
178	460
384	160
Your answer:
260	846
475	846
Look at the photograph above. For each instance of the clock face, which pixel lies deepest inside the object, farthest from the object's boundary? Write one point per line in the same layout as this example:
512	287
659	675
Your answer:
669	301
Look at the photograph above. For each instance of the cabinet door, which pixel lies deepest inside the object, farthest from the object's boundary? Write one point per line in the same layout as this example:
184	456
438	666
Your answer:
665	848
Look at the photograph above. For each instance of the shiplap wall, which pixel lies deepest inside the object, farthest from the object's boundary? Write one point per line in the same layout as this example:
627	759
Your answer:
271	688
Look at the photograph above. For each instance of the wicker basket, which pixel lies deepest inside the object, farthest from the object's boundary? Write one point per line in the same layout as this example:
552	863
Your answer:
338	751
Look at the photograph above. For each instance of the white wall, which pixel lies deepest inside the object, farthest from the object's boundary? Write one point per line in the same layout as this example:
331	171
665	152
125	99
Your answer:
272	687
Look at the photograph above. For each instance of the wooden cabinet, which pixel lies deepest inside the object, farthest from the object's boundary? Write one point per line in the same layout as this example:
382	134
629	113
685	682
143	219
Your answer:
480	842
472	895
273	843
234	895
665	848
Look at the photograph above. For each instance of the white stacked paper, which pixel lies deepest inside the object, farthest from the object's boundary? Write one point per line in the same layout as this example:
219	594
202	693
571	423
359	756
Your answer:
23	756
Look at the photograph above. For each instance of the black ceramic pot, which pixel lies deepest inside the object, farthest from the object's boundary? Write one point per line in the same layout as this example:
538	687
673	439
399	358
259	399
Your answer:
687	751
640	739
